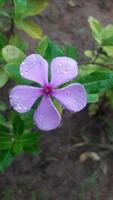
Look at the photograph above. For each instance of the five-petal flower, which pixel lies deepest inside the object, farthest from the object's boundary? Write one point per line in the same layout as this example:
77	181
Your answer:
62	69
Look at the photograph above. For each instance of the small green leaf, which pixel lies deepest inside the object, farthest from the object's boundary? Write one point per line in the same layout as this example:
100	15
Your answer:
107	35
3	77
70	51
53	51
98	81
5	141
2	119
18	124
17	148
30	27
13	70
108	50
6	159
88	69
96	29
29	7
28	138
58	106
3	128
42	46
12	54
89	54
93	98
3	41
15	40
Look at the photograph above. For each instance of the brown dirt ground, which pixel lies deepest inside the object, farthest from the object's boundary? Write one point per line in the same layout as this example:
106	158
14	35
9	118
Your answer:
58	174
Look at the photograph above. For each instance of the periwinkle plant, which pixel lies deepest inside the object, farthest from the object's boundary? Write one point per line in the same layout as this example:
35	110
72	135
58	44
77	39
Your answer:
63	69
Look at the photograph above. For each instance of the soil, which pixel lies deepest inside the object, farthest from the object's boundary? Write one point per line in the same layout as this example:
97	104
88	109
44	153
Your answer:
65	170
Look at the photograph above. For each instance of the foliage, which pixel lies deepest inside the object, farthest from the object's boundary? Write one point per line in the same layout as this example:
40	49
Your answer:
17	133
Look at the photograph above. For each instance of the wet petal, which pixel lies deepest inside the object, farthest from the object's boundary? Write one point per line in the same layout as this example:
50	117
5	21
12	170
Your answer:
73	97
63	69
35	68
46	116
23	97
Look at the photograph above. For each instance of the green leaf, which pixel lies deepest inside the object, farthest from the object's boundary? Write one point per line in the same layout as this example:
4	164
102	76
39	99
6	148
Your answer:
3	128
48	49
98	81
12	54
89	54
29	7
89	68
2	119
58	106
17	148
6	159
108	50
3	106
15	40
3	41
93	98
30	27
28	138
5	141
18	124
13	70
42	46
96	29
20	7
3	77
70	51
53	51
107	35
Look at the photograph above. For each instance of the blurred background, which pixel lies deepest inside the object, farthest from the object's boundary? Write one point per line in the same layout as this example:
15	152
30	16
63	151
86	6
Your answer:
69	166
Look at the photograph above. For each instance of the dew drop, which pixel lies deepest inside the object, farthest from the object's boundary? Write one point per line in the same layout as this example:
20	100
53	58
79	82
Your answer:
25	108
61	74
60	64
65	71
26	72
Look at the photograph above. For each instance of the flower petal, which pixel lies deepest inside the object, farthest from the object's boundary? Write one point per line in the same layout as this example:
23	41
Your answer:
46	116
23	97
35	68
73	97
63	69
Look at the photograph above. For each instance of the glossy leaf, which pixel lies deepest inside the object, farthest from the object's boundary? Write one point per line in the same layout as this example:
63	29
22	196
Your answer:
108	50
3	77
96	29
29	7
30	27
70	51
12	54
18	124
97	81
93	98
6	159
42	46
15	40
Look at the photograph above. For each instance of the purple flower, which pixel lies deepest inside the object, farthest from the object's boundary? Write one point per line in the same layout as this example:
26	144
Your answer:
63	69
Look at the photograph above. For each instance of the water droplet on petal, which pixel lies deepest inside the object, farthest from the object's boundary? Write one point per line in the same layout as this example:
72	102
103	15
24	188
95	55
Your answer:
65	71
25	108
26	72
60	74
60	64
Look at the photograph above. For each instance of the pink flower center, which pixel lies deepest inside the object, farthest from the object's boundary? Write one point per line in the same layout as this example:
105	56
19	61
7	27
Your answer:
47	90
